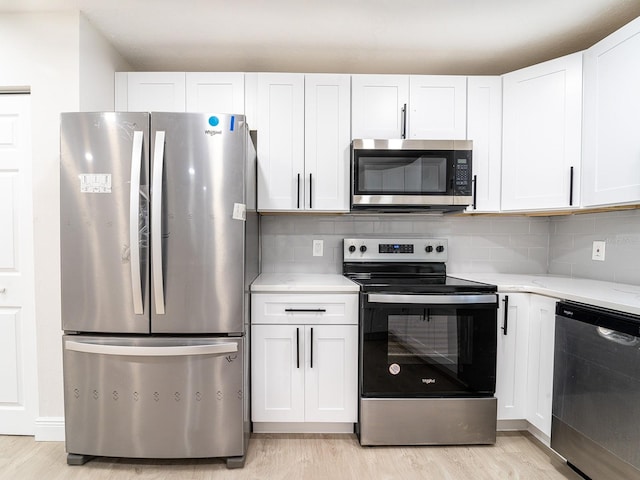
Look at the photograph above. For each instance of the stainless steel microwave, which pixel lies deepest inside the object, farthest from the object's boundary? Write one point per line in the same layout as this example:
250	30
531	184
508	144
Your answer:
411	175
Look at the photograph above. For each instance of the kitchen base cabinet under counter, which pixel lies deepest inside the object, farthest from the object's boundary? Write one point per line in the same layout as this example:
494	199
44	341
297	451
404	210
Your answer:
304	360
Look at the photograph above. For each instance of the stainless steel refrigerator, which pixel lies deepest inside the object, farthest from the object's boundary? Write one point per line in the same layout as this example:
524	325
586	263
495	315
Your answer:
159	244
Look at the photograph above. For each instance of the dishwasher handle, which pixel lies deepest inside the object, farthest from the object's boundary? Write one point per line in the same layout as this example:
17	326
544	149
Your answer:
143	351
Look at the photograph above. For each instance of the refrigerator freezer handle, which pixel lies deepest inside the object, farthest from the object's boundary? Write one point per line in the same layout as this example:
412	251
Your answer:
156	223
141	351
134	226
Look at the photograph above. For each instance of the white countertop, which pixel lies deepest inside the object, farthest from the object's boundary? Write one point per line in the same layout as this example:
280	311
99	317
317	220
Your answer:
303	283
616	296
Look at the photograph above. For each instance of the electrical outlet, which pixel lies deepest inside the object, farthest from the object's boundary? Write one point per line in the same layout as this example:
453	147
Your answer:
318	247
598	251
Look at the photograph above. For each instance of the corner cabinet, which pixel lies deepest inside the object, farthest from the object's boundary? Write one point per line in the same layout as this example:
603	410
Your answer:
611	142
409	106
304	359
303	142
542	118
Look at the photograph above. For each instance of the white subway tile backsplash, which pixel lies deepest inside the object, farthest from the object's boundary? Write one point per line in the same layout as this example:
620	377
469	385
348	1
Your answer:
556	245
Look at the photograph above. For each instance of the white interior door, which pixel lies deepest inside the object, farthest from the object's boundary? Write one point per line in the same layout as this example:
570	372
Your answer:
18	373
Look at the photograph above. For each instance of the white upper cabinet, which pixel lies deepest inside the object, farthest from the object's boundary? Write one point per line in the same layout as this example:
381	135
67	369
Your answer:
542	112
408	106
437	107
150	92
215	92
303	142
280	141
327	142
379	106
611	142
484	128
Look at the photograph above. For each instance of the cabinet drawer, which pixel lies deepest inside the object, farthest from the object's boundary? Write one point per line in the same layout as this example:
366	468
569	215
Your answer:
304	309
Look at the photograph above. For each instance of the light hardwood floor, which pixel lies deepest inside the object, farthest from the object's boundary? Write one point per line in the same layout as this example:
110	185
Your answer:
296	457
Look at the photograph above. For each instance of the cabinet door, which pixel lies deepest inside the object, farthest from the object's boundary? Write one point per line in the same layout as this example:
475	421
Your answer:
280	141
437	107
327	142
542	322
215	92
379	106
611	143
156	92
331	382
511	368
484	128
542	135
277	373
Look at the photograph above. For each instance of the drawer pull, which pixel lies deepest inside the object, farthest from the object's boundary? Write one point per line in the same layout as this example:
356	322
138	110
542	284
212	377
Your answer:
305	310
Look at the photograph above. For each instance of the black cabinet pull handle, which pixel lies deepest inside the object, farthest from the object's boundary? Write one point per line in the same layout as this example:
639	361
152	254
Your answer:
404	121
307	310
297	348
311	347
298	191
571	188
475	191
506	314
310	191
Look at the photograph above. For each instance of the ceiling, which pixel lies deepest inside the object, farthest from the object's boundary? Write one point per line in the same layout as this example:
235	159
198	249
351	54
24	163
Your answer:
351	36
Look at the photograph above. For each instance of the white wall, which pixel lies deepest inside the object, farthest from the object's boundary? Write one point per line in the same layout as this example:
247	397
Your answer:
48	54
98	62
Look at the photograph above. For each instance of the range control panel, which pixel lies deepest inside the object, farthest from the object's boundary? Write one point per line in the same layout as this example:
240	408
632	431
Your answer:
395	250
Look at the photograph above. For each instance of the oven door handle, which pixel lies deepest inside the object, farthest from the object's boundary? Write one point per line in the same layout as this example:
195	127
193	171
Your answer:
431	299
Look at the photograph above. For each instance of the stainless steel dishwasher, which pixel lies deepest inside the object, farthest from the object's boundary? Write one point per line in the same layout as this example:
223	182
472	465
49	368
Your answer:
596	391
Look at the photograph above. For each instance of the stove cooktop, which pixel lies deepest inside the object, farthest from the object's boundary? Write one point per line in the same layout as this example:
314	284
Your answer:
422	285
404	266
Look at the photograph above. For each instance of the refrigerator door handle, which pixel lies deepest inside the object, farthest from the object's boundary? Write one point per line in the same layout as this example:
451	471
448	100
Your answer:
134	215
156	223
141	351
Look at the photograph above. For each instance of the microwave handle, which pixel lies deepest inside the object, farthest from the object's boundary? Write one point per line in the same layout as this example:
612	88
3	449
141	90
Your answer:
404	121
475	191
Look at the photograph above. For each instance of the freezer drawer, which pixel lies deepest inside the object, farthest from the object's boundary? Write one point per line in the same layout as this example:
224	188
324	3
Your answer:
155	397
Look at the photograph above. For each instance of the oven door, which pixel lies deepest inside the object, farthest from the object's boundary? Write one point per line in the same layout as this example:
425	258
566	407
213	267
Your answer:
428	345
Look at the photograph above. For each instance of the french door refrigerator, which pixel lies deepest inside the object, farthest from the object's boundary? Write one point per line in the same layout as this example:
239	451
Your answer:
159	244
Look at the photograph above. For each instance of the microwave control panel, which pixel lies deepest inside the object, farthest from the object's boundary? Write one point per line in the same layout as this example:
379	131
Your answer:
462	175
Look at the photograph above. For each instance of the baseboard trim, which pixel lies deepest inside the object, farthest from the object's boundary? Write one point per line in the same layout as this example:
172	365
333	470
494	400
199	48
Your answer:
49	429
302	427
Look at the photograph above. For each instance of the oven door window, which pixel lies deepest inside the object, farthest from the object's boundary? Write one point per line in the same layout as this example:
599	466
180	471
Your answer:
401	175
423	352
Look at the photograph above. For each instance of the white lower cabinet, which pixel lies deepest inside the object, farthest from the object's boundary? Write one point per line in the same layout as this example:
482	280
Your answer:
301	369
511	365
524	370
542	321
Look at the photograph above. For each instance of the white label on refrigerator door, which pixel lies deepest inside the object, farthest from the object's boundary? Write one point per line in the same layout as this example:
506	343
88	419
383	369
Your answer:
239	211
95	182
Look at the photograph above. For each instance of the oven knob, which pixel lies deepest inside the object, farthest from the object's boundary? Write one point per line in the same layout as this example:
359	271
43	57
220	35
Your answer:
363	248
352	248
429	249
439	249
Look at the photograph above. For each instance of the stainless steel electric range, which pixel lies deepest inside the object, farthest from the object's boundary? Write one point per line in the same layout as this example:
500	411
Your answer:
427	351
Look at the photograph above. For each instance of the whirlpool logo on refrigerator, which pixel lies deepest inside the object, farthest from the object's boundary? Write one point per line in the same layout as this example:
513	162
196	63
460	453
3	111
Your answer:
213	132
